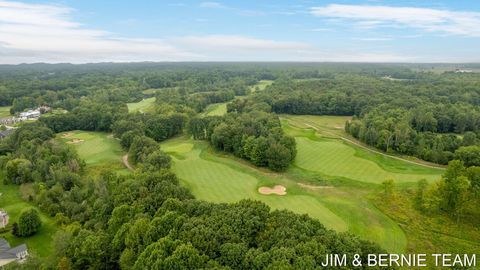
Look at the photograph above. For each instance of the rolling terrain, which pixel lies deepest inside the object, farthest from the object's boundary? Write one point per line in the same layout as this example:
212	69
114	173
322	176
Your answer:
145	105
99	150
316	184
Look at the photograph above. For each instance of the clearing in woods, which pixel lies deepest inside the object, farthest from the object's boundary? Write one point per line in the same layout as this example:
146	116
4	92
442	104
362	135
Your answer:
216	109
143	106
5	111
219	109
98	149
261	85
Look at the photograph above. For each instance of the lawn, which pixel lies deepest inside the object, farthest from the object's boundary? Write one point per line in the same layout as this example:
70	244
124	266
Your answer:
145	105
216	109
222	178
11	201
321	149
5	111
261	85
98	149
334	157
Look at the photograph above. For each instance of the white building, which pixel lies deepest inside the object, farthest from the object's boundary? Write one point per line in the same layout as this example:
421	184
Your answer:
30	114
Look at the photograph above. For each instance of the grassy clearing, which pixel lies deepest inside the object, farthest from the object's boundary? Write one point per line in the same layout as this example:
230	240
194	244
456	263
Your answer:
222	178
40	243
145	105
5	111
217	109
333	157
98	150
261	85
324	152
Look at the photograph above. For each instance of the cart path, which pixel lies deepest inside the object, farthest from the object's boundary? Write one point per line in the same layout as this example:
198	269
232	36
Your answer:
126	163
371	150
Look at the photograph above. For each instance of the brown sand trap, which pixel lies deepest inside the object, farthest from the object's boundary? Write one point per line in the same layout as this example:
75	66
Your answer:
277	190
75	141
66	135
313	187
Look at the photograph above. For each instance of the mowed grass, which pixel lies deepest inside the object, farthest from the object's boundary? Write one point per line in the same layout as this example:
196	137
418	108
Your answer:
261	85
323	151
222	178
98	149
11	201
217	109
333	157
5	111
217	182
145	105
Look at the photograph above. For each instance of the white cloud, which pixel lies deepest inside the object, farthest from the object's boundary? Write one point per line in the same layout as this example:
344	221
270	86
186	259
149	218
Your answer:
432	20
46	33
32	33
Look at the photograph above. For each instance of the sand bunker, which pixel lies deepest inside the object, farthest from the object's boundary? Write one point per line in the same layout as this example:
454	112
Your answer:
66	135
313	187
277	190
75	141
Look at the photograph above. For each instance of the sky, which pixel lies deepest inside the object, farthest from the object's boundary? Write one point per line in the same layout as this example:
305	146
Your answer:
85	31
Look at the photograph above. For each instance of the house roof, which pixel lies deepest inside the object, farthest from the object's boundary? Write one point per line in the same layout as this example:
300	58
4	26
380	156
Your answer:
18	249
10	253
4	245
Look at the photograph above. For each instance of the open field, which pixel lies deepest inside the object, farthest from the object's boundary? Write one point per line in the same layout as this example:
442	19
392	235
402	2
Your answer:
222	178
40	243
98	149
216	109
261	85
145	105
333	127
5	111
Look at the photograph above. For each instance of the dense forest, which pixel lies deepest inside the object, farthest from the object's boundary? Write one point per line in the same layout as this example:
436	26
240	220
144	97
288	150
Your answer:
427	116
256	136
147	220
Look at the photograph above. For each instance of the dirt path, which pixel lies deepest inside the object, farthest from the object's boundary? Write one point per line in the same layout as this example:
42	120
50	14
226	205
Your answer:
371	150
126	163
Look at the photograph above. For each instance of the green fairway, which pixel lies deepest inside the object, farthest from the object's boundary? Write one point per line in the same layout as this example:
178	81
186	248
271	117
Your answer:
218	178
324	151
335	158
261	85
5	111
145	105
97	149
216	109
11	201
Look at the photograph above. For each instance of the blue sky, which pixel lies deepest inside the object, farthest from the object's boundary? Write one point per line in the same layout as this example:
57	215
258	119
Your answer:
80	31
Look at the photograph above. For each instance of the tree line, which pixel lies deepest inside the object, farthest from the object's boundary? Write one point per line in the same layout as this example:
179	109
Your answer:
146	220
255	136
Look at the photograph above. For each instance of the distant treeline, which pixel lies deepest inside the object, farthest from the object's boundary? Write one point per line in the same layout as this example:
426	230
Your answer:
430	117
